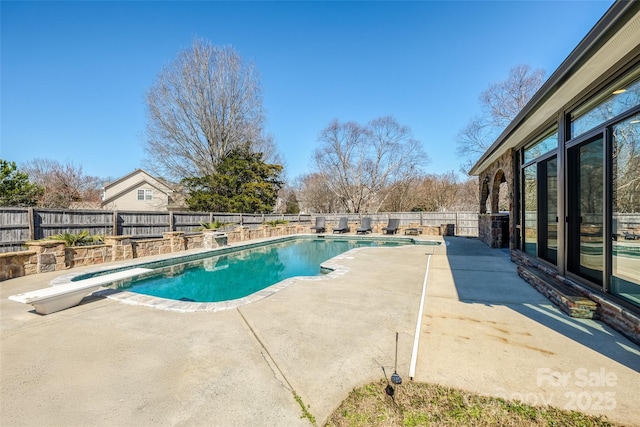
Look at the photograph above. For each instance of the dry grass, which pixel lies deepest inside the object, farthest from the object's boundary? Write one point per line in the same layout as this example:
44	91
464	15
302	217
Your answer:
418	404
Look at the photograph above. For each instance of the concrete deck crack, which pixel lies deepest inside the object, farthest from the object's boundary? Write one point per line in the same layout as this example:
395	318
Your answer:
277	372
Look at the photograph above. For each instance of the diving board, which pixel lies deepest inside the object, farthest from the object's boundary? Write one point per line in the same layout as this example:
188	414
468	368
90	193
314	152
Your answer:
60	297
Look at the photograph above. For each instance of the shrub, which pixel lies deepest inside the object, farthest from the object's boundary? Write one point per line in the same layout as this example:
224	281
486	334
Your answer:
80	239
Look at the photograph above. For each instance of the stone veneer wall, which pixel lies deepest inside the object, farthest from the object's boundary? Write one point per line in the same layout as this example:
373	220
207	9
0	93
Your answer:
17	264
491	229
608	311
53	255
489	180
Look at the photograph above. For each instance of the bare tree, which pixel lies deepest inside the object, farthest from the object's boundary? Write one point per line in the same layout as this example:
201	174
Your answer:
65	185
287	202
314	195
433	193
403	196
500	103
440	191
202	105
359	162
468	196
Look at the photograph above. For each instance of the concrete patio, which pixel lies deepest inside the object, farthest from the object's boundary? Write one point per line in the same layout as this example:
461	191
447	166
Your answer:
484	329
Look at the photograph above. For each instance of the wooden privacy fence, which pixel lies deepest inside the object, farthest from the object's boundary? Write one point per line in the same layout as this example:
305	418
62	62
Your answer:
18	225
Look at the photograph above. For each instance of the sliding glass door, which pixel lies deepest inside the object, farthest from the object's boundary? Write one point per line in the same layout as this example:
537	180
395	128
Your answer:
585	219
625	265
548	207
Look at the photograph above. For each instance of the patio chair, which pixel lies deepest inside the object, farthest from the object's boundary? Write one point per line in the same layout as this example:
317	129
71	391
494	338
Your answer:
319	227
365	227
631	236
343	226
392	226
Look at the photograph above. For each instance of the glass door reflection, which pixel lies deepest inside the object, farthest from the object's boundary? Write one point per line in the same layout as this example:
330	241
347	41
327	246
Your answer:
625	263
585	225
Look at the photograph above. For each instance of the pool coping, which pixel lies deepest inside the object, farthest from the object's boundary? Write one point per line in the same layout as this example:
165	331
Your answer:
332	265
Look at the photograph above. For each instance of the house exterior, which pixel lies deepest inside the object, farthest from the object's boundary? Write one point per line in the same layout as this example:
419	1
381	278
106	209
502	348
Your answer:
571	164
140	191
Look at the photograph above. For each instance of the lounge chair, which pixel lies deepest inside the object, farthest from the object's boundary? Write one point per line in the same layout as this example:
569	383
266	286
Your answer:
631	236
365	227
343	226
392	226
319	227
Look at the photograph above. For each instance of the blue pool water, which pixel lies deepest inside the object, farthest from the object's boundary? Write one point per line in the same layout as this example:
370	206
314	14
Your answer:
242	273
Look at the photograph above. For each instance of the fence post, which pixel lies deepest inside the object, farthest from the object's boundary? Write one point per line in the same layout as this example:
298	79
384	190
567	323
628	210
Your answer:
171	222
32	223
115	222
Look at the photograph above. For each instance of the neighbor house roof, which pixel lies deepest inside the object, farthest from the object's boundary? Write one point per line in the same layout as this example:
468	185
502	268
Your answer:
615	36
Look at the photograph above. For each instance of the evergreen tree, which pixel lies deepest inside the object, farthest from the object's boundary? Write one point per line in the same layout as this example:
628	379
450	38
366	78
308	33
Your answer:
15	188
243	183
292	205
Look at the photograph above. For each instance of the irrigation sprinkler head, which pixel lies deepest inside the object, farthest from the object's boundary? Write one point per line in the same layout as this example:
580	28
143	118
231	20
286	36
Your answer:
396	379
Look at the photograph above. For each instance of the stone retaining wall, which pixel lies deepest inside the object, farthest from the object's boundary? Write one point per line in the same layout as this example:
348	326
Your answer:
17	264
54	255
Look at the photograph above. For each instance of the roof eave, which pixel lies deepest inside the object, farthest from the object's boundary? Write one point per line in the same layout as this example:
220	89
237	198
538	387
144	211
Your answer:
586	48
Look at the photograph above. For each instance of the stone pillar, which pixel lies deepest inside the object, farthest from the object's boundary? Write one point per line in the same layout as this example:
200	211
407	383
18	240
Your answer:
493	229
447	229
176	239
244	232
121	247
213	239
50	255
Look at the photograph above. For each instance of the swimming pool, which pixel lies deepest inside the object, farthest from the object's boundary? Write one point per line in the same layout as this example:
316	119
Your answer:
167	287
244	272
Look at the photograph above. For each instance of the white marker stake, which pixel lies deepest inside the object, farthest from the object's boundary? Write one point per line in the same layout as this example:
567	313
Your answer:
416	338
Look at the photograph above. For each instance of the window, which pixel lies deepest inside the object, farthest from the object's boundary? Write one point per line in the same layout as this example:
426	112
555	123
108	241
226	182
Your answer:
542	146
145	195
539	197
530	189
617	98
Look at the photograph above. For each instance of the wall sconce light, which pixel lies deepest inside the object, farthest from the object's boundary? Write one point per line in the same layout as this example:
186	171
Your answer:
486	179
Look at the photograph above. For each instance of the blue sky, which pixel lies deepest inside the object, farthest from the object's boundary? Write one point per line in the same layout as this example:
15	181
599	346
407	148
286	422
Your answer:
74	74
